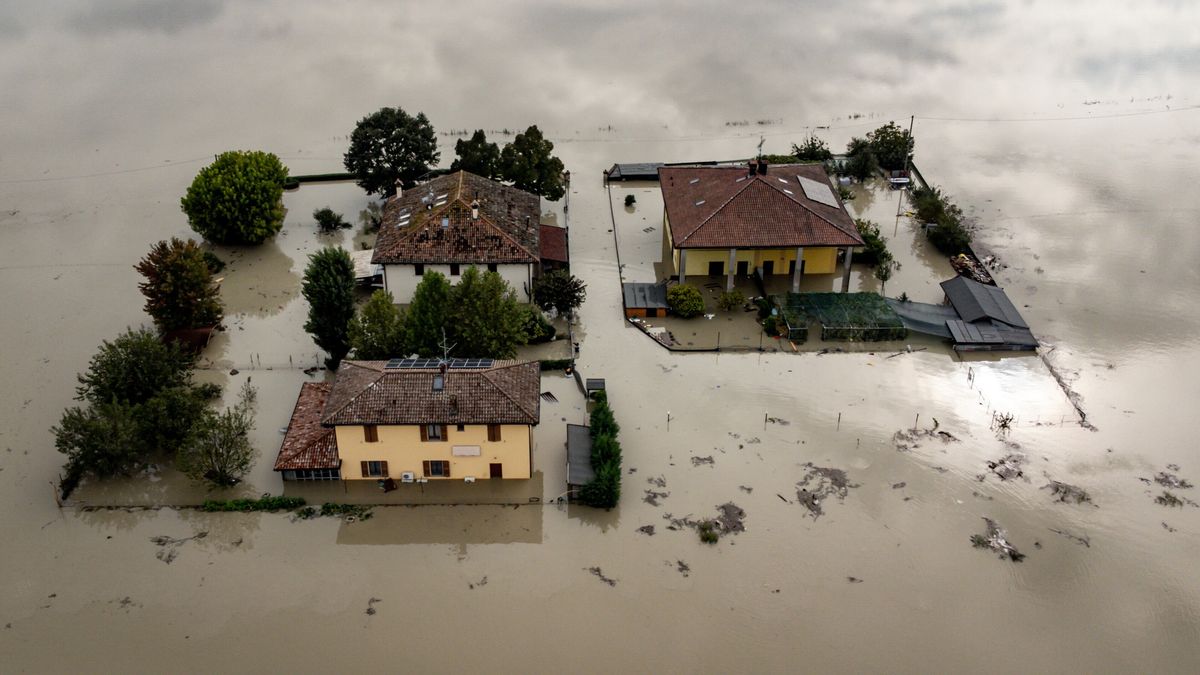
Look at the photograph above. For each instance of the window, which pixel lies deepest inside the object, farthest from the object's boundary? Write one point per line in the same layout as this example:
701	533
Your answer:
433	432
419	269
316	474
374	469
462	427
439	382
492	267
370	433
453	269
493	432
437	468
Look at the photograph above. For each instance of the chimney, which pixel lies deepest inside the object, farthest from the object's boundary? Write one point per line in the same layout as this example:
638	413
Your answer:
475	210
762	167
752	167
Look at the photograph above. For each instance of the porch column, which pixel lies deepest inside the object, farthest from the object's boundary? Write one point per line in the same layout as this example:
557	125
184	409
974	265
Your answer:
846	271
730	268
682	264
796	273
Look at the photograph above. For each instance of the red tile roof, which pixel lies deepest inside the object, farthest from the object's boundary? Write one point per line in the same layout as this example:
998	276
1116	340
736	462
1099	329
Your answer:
506	230
366	392
554	243
308	444
724	207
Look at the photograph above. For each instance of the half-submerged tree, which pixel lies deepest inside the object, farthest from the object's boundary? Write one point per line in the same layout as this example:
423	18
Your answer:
329	288
812	149
238	199
218	449
477	155
528	164
377	332
178	286
559	290
390	148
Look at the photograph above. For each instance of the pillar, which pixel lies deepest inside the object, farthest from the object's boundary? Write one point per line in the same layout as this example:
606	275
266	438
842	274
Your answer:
682	264
730	268
846	270
796	273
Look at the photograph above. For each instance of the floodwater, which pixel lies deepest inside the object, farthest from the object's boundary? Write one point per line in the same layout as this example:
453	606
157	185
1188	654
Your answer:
1082	181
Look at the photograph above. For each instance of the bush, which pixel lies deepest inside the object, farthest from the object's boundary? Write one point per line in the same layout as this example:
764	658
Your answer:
860	162
537	328
875	249
812	149
556	364
764	307
630	200
329	221
948	234
264	503
605	490
708	532
214	263
685	301
771	326
238	199
731	300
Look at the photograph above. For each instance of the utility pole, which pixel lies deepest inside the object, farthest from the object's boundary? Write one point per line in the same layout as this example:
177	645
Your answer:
907	156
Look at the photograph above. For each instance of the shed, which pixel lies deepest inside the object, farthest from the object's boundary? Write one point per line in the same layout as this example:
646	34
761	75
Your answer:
645	300
594	384
974	301
579	457
634	171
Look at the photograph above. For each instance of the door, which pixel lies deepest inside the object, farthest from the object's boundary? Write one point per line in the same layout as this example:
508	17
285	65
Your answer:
497	470
768	268
743	268
652	313
716	268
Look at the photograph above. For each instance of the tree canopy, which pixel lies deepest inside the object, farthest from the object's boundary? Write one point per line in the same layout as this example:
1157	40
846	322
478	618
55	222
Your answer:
428	316
685	301
891	146
390	147
238	199
133	368
329	288
559	290
218	447
377	332
178	286
812	149
488	320
528	164
477	155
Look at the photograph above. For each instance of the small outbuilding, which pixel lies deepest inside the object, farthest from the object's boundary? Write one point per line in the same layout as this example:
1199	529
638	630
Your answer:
987	319
579	458
644	300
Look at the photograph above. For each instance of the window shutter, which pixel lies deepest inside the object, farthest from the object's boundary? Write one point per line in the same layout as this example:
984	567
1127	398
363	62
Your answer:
383	468
446	469
445	432
424	433
493	432
425	468
365	470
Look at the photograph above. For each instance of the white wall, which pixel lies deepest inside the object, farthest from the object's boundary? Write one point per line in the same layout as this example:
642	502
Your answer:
401	280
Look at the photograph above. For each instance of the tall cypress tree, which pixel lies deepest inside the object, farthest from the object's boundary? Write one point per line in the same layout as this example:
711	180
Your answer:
329	289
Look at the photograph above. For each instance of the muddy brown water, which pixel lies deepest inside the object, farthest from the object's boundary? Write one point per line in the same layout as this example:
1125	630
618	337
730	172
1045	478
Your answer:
110	109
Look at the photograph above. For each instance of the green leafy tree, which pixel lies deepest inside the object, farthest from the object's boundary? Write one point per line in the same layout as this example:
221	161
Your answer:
166	419
133	368
860	161
488	320
178	286
329	288
377	332
391	147
329	220
875	248
537	328
884	269
731	300
891	146
812	149
559	290
101	439
602	422
428	320
238	199
528	165
218	449
685	301
477	155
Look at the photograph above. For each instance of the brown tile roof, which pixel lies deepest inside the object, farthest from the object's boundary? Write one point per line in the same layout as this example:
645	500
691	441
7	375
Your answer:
554	243
505	232
366	392
722	207
308	444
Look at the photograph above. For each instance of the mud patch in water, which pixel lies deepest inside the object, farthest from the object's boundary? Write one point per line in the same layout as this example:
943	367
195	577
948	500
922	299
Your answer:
820	483
1067	493
169	546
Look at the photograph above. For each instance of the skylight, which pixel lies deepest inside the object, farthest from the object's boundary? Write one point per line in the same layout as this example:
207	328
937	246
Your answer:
699	202
781	180
693	181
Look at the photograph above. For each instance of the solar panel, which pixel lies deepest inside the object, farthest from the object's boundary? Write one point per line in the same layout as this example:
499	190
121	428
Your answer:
434	363
818	192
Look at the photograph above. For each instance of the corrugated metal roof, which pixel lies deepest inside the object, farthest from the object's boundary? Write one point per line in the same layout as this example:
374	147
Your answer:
973	301
645	296
579	455
635	171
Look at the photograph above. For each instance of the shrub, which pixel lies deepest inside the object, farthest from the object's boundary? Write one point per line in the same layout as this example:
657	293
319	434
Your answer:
731	300
218	448
949	236
875	249
708	532
537	328
329	221
238	199
214	263
630	200
860	162
771	326
685	301
812	149
264	503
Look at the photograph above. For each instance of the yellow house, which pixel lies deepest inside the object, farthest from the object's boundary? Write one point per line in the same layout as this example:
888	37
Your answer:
415	419
734	220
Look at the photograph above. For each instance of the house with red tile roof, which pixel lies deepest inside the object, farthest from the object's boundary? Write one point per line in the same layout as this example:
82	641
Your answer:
454	222
776	220
415	419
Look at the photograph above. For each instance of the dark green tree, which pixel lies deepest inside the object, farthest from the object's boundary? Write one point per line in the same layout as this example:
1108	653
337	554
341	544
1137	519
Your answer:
876	248
391	147
166	419
134	368
559	290
685	301
528	165
812	149
860	161
329	288
178	286
891	146
238	199
487	319
329	220
101	439
537	328
477	155
377	332
428	320
218	449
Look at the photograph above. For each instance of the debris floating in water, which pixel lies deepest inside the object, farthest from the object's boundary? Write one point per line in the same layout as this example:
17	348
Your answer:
1067	493
996	539
599	574
821	482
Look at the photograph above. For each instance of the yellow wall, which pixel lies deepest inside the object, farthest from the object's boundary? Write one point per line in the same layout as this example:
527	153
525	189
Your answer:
821	260
401	447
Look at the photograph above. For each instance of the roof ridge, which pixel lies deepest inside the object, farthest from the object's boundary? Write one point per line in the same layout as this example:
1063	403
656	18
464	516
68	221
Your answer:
718	210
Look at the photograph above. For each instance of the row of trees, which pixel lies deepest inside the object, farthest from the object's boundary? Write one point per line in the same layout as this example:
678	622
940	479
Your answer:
946	229
140	402
605	489
887	147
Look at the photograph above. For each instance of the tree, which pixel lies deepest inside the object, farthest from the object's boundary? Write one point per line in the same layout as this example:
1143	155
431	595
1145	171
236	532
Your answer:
218	449
884	269
238	199
875	248
685	301
329	220
559	290
178	286
731	300
891	146
812	149
601	421
537	328
101	439
378	330
528	165
477	156
487	319
391	147
428	316
133	368
329	288
860	160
